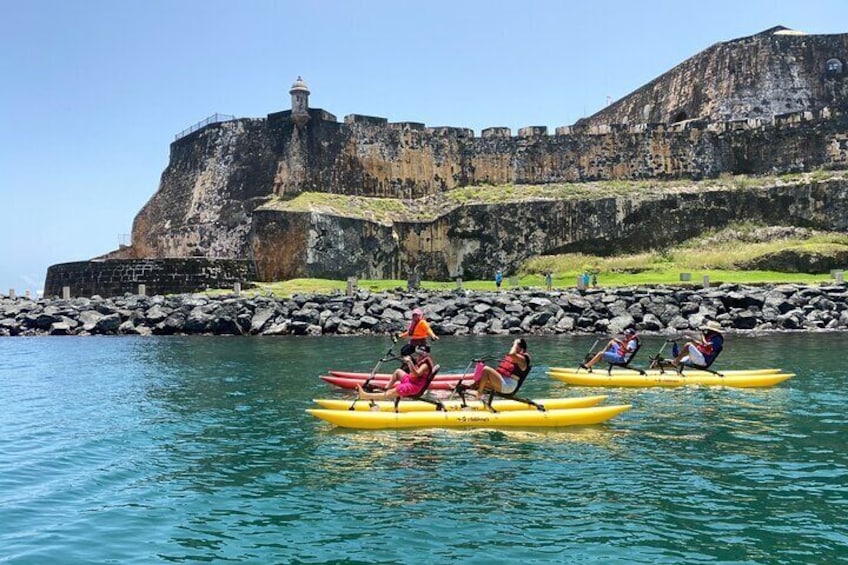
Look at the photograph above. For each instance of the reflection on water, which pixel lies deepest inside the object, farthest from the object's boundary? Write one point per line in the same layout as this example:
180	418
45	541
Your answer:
199	449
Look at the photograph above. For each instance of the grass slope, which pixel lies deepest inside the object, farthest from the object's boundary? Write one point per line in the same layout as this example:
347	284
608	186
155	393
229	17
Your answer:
717	255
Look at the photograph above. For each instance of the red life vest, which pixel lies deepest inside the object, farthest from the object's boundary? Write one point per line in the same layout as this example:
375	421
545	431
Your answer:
423	360
509	368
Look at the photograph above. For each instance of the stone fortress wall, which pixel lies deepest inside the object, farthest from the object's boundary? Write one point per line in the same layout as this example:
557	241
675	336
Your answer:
219	193
159	276
778	71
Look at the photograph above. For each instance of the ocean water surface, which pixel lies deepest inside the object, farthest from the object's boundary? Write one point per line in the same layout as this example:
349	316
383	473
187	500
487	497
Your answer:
198	449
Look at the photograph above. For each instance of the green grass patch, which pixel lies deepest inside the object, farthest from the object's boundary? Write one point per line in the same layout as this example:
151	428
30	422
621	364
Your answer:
388	210
379	210
562	280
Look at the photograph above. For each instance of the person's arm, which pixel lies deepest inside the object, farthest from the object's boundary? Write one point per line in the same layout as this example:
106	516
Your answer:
428	331
519	359
703	345
419	371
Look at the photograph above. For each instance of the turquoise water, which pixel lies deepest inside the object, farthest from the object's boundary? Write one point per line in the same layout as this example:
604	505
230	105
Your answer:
157	450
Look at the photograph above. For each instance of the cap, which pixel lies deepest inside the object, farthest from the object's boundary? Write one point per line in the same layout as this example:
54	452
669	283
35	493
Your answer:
417	312
629	331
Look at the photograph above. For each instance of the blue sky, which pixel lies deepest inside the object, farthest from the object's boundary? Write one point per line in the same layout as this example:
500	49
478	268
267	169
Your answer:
93	91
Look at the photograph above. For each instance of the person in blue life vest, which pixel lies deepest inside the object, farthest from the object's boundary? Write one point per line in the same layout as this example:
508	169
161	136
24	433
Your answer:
616	351
700	351
506	377
498	279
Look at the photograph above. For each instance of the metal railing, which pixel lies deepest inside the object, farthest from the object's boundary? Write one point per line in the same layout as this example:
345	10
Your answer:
213	119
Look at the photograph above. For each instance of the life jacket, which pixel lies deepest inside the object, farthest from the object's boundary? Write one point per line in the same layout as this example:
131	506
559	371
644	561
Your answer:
424	360
509	368
417	332
714	345
624	349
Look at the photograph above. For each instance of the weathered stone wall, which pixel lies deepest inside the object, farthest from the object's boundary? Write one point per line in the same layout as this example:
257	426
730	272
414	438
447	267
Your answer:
215	177
767	104
474	240
765	75
161	276
218	176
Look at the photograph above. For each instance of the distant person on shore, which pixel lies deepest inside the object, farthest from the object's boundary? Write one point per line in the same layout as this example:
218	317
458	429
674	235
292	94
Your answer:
418	331
700	351
498	279
505	378
406	381
549	281
617	351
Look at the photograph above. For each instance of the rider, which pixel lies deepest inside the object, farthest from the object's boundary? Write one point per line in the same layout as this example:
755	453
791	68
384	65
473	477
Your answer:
700	351
417	332
505	379
403	383
617	351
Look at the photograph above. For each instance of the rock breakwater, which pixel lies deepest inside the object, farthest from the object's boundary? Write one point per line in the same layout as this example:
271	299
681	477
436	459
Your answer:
528	311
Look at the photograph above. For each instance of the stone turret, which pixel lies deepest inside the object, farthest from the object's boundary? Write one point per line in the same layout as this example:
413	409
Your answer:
300	102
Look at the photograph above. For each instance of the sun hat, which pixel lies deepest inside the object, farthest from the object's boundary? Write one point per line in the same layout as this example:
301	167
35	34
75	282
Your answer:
712	325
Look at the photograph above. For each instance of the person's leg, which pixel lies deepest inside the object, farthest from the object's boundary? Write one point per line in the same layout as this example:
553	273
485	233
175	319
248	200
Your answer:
684	352
395	378
385	395
490	380
599	355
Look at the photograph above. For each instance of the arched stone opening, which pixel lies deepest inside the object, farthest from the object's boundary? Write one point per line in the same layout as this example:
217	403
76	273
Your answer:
679	117
834	66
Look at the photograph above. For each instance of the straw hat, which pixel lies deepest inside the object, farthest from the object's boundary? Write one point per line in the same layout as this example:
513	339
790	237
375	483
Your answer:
712	326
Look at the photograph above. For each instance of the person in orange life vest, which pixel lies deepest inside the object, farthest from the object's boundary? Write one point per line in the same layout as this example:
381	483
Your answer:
417	332
616	350
700	351
505	377
405	383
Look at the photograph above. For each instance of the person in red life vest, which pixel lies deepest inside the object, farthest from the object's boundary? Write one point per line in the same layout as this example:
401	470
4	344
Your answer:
417	332
617	350
505	378
405	383
700	351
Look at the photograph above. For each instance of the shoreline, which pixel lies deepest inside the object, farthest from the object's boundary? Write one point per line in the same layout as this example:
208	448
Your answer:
651	310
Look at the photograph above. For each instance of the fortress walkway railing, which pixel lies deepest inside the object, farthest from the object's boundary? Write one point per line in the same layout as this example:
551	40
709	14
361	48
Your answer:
213	119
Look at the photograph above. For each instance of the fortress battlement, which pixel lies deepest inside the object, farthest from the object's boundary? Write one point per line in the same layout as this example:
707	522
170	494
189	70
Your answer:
796	119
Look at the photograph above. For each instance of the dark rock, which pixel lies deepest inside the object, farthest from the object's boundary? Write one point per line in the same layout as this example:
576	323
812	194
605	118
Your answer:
59	328
108	324
198	321
745	320
261	318
89	319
